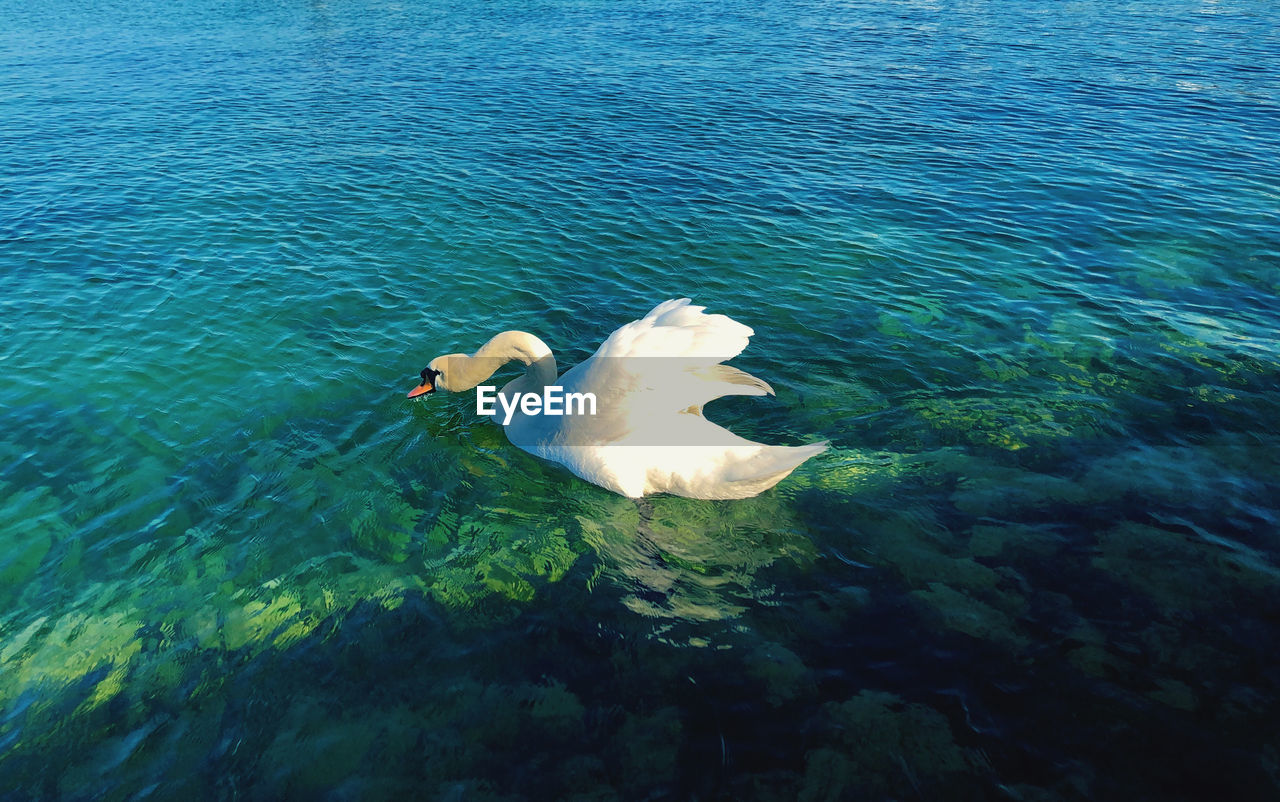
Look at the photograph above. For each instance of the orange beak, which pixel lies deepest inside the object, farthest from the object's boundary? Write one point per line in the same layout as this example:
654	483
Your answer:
422	389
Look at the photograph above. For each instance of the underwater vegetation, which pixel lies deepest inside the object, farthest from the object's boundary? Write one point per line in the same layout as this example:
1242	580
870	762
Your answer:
901	616
1020	559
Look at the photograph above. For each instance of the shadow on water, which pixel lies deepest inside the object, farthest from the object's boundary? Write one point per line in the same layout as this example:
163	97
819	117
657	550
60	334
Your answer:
491	649
389	703
1086	598
566	698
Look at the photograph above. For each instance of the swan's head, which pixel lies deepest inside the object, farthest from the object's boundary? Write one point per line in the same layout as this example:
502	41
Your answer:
434	376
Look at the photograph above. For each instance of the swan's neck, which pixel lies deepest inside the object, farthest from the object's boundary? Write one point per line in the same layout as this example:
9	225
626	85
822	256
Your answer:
465	372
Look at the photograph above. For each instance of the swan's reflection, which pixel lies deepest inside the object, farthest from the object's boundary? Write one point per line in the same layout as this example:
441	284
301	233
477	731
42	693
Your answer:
694	560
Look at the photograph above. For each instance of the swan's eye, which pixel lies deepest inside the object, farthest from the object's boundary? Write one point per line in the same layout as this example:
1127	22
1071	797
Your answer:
429	375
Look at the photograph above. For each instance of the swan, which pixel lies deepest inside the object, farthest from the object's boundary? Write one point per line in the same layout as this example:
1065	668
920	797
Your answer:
649	380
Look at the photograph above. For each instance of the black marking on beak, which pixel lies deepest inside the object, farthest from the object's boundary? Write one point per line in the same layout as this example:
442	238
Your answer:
429	377
428	383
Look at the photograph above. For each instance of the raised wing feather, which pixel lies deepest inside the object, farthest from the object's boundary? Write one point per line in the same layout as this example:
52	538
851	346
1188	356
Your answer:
668	361
677	328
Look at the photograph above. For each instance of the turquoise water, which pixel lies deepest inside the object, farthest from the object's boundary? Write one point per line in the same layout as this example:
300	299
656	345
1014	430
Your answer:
1019	262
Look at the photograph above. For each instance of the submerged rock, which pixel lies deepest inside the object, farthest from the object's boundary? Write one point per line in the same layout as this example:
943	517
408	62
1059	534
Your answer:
884	747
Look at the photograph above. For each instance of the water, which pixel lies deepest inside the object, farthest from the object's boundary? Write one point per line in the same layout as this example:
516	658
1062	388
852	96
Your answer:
1018	261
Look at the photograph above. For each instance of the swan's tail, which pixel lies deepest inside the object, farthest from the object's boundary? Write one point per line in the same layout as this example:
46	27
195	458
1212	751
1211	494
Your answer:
749	475
770	466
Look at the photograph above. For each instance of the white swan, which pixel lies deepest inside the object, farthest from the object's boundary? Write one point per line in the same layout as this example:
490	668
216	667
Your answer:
651	379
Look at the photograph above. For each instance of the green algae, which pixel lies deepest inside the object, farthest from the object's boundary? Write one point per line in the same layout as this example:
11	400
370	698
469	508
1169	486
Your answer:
989	541
312	752
917	312
1175	694
1210	394
32	521
106	637
383	524
884	747
1179	572
1004	370
917	547
1010	422
451	734
963	613
742	537
1235	348
1092	653
472	532
1074	340
827	399
50	654
652	747
690	559
987	488
783	674
1173	475
556	706
495	554
852	472
1171	263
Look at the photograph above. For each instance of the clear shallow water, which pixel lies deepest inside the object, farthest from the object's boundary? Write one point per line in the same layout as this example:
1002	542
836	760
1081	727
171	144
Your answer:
1018	261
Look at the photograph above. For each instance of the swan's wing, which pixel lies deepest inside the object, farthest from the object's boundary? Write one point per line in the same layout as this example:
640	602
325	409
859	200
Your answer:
670	360
715	382
651	378
677	329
